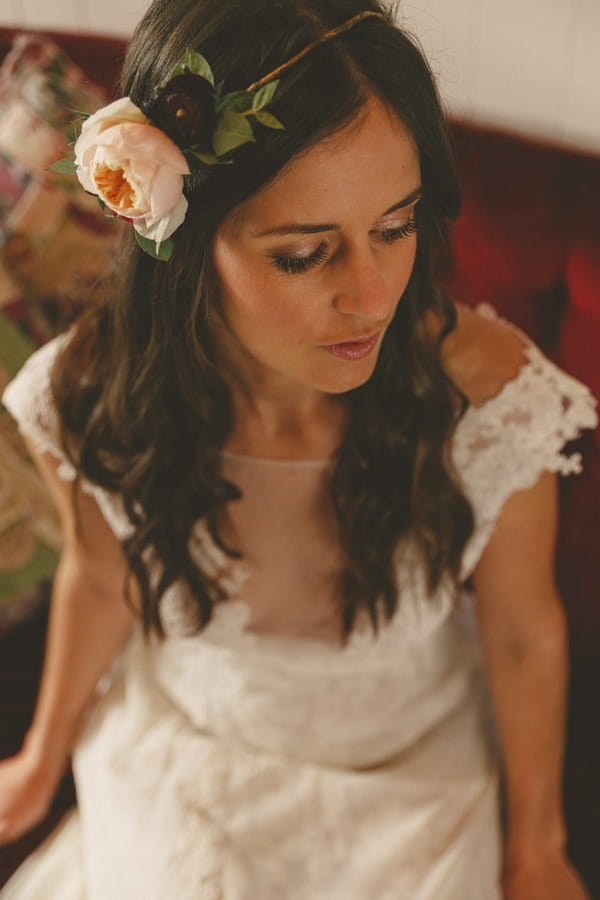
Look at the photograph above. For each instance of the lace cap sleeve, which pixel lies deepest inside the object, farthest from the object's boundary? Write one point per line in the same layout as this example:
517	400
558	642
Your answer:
28	398
504	445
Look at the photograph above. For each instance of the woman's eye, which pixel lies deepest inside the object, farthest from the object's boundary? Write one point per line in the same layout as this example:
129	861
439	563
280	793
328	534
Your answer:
389	235
295	265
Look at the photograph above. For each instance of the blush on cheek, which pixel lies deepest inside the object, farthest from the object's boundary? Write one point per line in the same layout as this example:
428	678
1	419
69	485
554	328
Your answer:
235	273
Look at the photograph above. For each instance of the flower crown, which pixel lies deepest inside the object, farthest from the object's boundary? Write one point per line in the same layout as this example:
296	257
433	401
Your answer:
134	159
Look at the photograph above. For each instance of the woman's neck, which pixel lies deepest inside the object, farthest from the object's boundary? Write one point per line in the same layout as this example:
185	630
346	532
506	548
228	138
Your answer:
275	416
278	427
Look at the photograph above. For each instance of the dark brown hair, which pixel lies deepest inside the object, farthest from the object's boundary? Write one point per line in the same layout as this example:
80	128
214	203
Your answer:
148	412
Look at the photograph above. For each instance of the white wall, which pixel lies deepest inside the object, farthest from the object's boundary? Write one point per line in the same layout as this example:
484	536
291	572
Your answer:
108	16
529	65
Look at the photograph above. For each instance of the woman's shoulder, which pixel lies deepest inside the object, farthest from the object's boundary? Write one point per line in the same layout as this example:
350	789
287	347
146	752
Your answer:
36	372
522	409
29	399
71	355
497	366
483	353
523	413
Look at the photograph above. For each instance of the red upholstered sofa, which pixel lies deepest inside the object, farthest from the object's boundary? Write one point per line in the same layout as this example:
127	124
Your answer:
527	242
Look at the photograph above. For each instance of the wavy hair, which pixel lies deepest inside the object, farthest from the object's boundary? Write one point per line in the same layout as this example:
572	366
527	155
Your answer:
145	410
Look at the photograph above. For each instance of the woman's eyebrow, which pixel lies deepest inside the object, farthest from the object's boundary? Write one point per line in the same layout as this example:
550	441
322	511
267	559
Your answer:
315	229
411	198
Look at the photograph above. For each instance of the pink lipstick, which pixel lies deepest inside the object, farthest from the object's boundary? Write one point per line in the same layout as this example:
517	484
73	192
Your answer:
353	350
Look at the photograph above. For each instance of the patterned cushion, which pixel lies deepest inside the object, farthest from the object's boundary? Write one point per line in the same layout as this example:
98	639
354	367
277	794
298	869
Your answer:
55	243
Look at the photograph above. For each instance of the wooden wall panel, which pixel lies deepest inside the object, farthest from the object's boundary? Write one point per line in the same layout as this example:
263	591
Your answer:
528	65
115	16
580	113
532	66
71	15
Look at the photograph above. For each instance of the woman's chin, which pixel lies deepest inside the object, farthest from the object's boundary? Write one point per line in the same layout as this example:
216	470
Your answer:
347	378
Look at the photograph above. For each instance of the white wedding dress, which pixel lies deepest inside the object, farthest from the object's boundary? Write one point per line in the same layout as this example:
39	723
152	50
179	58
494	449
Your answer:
260	759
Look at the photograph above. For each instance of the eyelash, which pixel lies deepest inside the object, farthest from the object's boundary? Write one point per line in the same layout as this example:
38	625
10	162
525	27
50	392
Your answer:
296	265
389	235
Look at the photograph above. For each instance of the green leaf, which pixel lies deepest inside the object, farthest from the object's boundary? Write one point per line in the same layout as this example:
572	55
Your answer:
237	101
75	132
232	131
264	95
210	159
267	119
64	166
196	64
79	112
162	252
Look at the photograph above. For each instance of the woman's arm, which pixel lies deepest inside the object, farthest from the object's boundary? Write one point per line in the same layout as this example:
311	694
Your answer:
522	627
89	623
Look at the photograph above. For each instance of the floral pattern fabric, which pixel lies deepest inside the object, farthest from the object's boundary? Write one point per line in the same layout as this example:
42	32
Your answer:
55	244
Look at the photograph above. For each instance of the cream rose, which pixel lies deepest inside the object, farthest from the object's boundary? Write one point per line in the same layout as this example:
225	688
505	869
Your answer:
135	169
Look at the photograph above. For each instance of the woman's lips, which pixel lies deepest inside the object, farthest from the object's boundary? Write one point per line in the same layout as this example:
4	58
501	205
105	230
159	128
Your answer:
353	350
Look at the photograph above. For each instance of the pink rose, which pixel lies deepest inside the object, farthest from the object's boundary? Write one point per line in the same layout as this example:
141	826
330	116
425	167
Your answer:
135	169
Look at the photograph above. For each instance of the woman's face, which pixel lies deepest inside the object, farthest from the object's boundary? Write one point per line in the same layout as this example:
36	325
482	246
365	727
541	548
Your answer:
312	268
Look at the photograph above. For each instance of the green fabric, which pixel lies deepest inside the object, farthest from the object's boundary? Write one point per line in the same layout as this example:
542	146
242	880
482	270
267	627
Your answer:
15	583
15	347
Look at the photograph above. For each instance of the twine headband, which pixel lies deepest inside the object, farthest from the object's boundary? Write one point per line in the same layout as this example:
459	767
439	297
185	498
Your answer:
327	36
135	159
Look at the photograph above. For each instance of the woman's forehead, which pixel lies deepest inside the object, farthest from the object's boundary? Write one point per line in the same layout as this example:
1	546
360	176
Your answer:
370	164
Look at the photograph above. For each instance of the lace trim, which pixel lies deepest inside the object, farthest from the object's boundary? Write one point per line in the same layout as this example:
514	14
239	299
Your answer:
418	617
29	400
505	444
229	627
178	611
541	409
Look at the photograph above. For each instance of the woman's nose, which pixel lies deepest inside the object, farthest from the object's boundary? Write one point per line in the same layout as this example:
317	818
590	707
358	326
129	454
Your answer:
361	288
